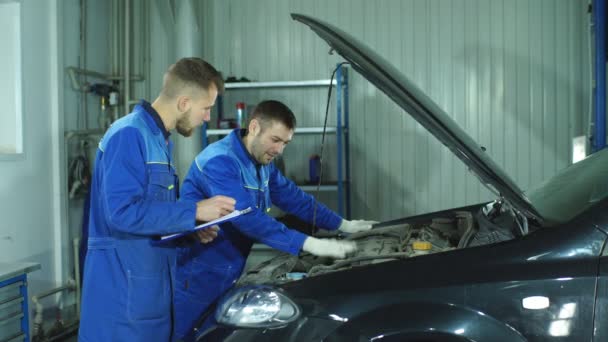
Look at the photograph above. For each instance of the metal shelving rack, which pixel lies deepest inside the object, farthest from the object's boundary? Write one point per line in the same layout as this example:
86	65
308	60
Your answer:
340	130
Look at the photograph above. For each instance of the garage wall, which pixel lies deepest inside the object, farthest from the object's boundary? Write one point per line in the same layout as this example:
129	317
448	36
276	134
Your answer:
513	74
28	190
77	116
36	212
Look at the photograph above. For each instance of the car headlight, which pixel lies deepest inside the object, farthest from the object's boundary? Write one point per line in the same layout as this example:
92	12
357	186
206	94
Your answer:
256	307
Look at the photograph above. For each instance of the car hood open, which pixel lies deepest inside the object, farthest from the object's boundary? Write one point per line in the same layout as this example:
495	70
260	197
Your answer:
424	110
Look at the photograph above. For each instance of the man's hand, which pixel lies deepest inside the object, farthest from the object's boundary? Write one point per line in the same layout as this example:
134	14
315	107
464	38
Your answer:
207	235
355	226
214	207
329	247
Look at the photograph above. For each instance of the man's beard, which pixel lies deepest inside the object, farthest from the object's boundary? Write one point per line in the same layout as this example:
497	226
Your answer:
183	127
258	152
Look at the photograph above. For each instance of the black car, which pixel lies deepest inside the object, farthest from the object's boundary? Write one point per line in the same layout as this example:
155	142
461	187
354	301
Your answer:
525	267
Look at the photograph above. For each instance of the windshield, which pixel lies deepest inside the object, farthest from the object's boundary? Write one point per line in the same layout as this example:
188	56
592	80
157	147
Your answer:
572	190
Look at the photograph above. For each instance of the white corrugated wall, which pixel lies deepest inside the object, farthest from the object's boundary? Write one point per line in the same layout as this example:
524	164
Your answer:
513	73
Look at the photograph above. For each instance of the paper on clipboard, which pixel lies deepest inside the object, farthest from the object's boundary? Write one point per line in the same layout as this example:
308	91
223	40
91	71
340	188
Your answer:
222	219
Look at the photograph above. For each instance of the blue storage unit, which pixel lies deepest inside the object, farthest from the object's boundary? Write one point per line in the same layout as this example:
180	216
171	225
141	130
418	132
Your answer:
14	313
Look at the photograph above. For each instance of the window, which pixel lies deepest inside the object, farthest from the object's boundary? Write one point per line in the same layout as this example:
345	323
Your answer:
11	131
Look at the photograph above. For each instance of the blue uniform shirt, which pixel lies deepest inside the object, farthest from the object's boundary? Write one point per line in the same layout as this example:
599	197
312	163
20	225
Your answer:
226	168
127	287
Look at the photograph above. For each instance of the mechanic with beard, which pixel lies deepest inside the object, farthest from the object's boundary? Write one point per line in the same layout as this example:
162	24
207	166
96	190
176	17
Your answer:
128	276
240	166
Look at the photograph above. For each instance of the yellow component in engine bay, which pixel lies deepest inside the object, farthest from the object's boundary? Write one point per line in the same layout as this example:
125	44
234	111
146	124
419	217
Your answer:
421	245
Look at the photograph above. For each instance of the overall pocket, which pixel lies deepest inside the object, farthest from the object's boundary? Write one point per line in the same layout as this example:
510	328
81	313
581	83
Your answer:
161	185
148	297
255	195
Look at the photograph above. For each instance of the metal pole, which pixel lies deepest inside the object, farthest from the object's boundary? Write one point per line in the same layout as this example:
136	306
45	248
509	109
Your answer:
25	321
83	61
147	52
599	18
114	35
114	64
188	43
127	70
346	144
339	139
76	248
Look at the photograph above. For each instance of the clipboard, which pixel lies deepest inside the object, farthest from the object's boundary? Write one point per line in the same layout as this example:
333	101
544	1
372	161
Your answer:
222	219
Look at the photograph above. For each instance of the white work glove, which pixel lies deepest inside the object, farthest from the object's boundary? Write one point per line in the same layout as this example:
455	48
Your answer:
329	247
355	226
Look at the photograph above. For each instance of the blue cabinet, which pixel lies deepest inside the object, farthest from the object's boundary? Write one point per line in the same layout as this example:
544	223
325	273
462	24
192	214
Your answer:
14	314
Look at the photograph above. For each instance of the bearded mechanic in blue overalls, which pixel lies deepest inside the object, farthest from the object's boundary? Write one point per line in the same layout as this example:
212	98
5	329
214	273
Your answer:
128	276
240	166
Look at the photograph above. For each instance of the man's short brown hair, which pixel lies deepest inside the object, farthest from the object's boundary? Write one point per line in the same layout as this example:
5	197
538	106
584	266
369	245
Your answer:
191	72
270	110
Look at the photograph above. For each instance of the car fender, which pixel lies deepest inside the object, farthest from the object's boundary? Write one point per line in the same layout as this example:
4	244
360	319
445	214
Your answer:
415	320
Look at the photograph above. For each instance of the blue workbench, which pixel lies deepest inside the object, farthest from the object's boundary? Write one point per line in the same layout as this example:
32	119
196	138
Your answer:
14	317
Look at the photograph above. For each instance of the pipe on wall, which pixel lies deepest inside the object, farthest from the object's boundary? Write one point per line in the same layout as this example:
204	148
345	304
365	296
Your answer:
39	308
188	43
82	63
76	246
147	51
127	70
599	16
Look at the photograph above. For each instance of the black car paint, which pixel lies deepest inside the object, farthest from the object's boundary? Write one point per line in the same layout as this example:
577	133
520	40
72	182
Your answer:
600	328
473	293
470	294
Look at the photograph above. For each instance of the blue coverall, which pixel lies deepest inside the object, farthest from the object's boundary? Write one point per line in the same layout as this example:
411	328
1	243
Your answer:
127	294
204	272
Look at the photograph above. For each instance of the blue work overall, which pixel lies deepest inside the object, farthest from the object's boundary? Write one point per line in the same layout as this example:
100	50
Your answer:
205	272
128	280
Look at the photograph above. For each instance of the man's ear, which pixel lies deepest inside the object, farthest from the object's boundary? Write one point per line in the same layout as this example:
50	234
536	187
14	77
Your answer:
183	104
254	127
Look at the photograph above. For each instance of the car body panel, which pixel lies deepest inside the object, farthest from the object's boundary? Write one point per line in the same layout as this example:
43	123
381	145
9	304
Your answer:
600	328
468	293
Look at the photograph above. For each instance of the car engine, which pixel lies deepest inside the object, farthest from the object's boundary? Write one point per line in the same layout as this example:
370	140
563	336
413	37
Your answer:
380	244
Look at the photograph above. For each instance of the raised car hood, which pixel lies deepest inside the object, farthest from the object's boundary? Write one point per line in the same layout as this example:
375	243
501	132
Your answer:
394	84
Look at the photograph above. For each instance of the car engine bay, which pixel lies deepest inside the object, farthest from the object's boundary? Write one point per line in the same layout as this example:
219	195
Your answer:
390	241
